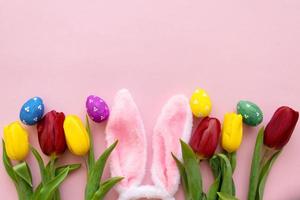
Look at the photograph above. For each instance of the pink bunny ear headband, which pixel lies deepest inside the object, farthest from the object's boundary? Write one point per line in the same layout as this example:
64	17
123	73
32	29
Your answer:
130	156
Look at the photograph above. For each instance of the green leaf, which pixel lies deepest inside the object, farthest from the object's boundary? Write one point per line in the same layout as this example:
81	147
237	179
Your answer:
233	187
37	191
183	176
48	190
91	155
232	159
226	186
215	165
105	187
23	188
255	166
225	196
57	195
192	170
41	164
214	188
204	197
72	167
264	175
23	171
95	173
7	163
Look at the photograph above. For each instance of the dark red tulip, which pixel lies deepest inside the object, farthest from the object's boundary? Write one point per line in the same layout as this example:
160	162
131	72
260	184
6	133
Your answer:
205	138
280	127
51	133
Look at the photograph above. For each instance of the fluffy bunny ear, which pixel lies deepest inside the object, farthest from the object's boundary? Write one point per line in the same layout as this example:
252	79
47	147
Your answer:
174	122
125	125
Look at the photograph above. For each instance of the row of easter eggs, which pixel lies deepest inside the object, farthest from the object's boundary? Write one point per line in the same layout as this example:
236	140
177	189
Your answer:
201	106
32	110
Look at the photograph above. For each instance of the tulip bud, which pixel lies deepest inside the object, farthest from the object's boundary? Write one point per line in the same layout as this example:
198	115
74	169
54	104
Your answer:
205	139
16	141
51	133
232	132
77	137
280	128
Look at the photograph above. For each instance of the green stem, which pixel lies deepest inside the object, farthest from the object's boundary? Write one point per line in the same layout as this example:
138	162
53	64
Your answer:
52	166
91	156
256	165
232	158
23	189
53	157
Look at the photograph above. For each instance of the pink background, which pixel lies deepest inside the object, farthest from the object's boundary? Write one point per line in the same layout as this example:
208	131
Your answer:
66	50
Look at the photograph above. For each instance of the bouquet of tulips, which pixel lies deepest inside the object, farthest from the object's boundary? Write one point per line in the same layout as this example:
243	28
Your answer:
55	133
204	141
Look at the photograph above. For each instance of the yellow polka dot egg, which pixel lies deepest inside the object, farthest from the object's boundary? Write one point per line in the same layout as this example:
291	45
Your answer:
200	103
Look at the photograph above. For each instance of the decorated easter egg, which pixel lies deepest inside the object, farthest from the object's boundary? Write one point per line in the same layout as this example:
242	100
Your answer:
32	111
200	103
251	113
96	108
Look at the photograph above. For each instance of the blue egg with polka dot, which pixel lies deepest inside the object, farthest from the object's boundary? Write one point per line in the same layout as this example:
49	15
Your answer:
32	111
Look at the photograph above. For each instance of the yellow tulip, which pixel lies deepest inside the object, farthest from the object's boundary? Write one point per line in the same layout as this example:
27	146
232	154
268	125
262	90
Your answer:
16	141
77	137
200	103
232	132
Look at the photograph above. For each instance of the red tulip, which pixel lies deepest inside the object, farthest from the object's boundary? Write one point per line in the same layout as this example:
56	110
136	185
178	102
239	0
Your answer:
205	139
281	127
51	133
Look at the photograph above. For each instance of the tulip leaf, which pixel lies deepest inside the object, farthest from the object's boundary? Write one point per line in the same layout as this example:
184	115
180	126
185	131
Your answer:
183	176
233	187
225	196
91	155
255	166
37	192
226	186
41	164
264	175
48	189
192	171
215	165
105	187
7	163
23	171
56	195
72	167
214	188
95	173
23	188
